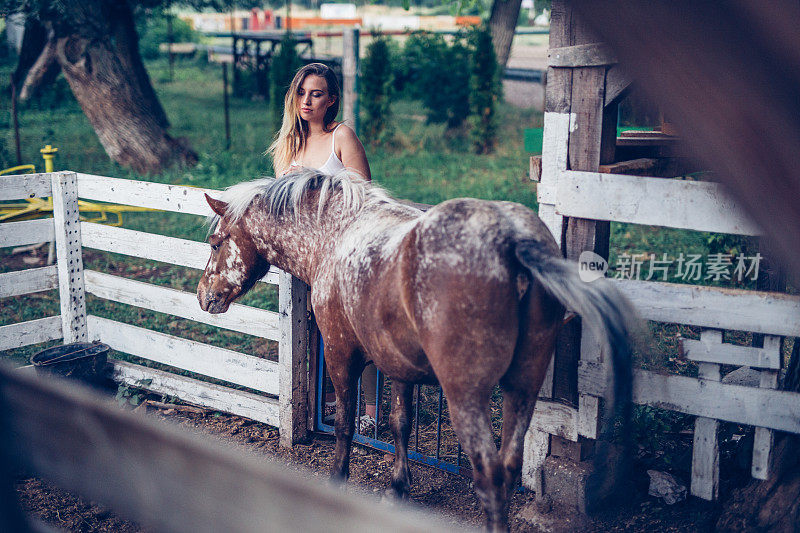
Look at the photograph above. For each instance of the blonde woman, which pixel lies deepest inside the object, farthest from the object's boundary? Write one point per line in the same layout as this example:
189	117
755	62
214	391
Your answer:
310	136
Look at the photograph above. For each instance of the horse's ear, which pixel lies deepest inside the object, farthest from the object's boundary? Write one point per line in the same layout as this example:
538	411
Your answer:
218	206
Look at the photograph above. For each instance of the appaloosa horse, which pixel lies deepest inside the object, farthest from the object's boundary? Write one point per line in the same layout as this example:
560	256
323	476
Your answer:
468	294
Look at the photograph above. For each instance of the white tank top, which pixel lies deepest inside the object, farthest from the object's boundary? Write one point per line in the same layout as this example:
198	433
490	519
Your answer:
333	164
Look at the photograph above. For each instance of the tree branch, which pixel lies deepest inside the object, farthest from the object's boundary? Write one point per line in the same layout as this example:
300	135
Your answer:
38	72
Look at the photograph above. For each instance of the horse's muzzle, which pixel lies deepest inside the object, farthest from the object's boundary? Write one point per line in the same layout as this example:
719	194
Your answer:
212	302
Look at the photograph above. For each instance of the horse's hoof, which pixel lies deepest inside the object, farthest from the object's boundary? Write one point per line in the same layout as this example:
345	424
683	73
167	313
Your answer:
394	496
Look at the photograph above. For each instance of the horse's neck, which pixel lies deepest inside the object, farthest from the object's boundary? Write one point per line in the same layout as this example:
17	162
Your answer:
299	245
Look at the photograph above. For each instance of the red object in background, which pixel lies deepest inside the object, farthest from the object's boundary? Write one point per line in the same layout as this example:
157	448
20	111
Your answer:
261	19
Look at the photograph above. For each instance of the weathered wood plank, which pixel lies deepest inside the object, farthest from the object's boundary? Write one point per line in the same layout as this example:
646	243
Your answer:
764	438
588	416
705	459
227	365
293	360
241	318
217	397
536	449
69	256
773	409
171	480
535	171
26	232
705	449
694	205
350	62
714	307
176	198
729	354
581	55
171	250
617	83
30	332
21	186
556	419
28	281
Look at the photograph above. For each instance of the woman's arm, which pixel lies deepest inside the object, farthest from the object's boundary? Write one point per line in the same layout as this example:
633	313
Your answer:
351	151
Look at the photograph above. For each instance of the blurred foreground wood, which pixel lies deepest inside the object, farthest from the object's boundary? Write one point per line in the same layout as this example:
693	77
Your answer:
168	479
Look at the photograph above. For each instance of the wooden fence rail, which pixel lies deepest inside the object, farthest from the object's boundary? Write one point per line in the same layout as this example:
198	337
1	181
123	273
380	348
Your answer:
283	405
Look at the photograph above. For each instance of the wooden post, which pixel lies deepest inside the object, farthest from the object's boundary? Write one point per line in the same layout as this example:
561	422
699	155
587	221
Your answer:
705	451
69	260
15	120
764	438
293	360
350	62
225	106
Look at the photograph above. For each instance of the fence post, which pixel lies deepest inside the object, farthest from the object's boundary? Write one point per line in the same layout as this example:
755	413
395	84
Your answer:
69	261
705	448
293	360
350	62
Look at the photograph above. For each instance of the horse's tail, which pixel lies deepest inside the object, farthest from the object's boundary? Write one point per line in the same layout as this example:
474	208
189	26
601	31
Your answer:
612	319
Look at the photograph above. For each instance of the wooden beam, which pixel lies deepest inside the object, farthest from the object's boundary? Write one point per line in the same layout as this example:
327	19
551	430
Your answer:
26	232
729	354
581	55
618	83
695	205
714	307
196	392
161	196
19	187
172	250
220	363
30	332
758	407
241	318
28	281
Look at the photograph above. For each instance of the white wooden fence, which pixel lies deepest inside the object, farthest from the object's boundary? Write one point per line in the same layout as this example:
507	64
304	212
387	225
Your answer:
285	381
689	205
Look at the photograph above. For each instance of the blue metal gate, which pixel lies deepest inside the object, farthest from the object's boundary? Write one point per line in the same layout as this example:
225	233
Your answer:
435	459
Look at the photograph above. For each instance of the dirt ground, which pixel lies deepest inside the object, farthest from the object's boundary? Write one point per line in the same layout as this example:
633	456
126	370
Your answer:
446	495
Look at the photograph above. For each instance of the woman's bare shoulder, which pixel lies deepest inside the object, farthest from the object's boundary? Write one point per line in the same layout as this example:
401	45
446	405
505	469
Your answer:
345	134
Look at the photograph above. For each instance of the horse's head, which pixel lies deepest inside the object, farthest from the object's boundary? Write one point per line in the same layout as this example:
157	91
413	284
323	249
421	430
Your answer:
234	266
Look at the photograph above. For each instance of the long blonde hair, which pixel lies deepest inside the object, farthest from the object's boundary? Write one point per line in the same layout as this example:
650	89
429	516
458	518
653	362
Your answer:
291	139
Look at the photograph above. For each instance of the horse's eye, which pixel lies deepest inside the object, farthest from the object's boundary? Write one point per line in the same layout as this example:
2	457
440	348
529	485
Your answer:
215	247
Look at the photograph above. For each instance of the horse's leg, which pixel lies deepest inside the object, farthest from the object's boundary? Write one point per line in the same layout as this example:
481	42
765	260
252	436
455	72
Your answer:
539	318
469	414
401	429
345	383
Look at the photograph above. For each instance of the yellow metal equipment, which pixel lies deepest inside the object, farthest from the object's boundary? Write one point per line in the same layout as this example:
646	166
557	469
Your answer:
36	207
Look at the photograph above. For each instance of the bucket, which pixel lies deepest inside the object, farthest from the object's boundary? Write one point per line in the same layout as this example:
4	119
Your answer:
83	361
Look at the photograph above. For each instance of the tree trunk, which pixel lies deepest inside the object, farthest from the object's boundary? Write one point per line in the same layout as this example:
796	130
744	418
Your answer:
129	130
127	45
36	68
773	504
503	23
97	47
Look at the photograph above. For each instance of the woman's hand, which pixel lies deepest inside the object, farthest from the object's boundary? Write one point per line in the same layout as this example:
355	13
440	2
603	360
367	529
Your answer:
292	168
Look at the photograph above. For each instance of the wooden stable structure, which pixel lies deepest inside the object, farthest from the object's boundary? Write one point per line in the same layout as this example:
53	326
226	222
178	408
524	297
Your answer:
578	196
281	398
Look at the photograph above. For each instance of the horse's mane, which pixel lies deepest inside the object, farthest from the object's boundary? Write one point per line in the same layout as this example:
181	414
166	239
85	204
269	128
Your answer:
285	195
